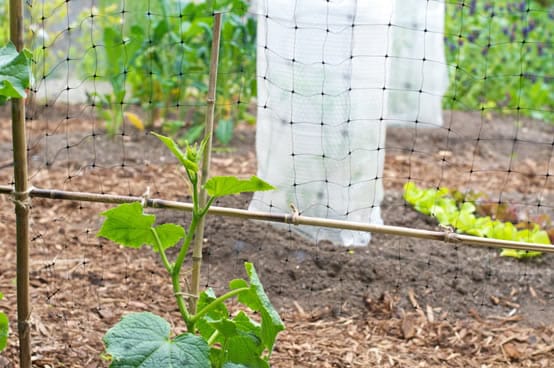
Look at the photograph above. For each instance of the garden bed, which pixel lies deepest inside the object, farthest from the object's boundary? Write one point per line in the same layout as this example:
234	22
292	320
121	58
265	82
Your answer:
398	302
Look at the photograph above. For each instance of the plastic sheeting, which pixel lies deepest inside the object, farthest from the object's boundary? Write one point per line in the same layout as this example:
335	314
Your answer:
331	76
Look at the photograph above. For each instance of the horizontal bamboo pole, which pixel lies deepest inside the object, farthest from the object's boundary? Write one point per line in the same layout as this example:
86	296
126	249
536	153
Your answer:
293	219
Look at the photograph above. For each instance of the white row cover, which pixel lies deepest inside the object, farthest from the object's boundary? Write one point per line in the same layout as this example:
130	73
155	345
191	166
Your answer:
331	76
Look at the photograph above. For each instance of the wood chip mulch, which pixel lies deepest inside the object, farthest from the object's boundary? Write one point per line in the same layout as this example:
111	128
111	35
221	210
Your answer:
414	339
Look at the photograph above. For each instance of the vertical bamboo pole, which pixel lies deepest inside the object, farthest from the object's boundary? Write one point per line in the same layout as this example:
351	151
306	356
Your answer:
21	200
206	158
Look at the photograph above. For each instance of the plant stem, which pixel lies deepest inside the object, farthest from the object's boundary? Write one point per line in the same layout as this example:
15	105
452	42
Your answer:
162	251
212	338
176	274
195	200
175	282
186	244
181	304
216	302
207	207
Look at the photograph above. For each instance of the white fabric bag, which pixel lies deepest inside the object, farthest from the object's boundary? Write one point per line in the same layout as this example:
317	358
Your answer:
322	110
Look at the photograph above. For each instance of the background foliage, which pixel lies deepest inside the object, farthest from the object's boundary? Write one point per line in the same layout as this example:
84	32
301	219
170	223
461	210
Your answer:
500	56
157	55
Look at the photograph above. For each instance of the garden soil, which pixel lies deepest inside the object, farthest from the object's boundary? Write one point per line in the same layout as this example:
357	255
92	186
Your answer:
400	302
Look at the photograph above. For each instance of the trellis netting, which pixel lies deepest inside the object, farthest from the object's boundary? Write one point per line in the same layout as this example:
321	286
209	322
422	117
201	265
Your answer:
331	76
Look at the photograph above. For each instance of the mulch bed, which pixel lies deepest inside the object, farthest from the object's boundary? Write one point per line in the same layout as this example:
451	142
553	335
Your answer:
397	303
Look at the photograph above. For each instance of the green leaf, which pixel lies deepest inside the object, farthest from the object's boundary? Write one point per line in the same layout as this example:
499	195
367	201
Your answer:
225	327
219	312
245	323
160	30
238	284
243	342
519	254
465	221
224	131
4	330
169	235
220	186
245	349
257	300
527	236
127	225
15	72
194	133
441	215
143	340
114	47
412	193
540	237
191	166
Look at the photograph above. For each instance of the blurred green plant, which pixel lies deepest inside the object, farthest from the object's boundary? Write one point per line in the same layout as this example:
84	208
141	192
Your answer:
4	22
463	213
162	53
43	25
4	328
500	57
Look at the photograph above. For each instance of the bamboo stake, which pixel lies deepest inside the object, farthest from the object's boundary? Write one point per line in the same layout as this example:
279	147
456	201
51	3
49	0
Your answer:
206	158
445	236
21	200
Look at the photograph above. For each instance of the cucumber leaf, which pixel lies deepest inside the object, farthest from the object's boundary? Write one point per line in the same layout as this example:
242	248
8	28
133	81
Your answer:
143	340
220	186
15	72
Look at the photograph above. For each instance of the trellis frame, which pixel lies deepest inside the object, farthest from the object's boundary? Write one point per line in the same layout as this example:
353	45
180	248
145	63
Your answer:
446	235
21	200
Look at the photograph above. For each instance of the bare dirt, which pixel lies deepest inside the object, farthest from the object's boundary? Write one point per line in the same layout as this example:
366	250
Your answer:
400	302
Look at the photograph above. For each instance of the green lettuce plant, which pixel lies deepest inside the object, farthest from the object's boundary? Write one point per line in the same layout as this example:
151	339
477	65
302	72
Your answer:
215	337
450	210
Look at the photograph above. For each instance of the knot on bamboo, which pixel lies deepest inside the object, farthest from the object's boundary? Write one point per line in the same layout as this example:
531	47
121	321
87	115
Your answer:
293	217
22	199
450	235
145	197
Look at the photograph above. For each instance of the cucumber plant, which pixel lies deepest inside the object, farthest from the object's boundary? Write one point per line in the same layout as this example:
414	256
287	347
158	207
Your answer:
215	337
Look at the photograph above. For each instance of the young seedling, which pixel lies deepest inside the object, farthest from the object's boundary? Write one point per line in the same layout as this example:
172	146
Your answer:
214	337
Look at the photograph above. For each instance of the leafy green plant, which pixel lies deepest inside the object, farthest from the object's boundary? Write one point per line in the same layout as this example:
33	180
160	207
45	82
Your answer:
166	58
111	106
214	337
451	209
41	25
500	56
